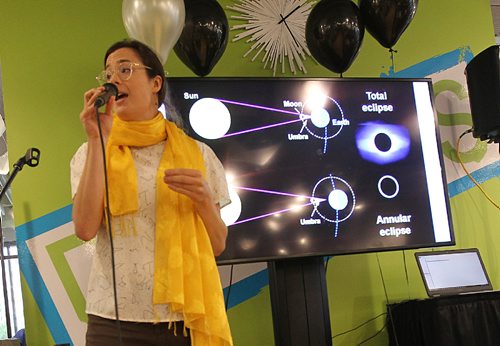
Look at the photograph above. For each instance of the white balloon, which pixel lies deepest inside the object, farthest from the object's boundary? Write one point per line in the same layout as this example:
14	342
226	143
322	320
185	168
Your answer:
157	23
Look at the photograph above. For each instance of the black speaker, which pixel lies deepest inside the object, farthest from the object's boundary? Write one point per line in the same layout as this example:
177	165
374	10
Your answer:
483	81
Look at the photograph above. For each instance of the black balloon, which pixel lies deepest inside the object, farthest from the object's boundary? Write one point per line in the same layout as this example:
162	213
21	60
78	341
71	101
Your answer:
334	33
204	37
386	20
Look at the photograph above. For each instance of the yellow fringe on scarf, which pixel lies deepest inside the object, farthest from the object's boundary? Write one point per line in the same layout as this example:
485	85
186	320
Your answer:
186	276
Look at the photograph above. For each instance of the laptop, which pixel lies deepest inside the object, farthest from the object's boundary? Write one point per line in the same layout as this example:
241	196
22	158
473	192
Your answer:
453	272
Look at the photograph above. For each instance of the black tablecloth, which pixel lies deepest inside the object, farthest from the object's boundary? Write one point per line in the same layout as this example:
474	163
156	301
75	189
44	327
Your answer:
461	320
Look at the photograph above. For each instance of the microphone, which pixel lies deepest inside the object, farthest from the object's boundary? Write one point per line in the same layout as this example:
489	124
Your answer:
110	90
31	159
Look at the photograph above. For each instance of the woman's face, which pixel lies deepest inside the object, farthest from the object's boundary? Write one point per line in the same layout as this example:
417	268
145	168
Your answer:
137	97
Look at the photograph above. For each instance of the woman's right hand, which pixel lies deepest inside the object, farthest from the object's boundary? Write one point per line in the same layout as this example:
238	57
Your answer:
88	115
88	202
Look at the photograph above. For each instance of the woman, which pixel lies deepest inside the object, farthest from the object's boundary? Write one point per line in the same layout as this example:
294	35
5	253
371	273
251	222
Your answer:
165	195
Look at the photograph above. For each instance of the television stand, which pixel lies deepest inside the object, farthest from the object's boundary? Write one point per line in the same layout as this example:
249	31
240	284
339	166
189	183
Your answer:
299	302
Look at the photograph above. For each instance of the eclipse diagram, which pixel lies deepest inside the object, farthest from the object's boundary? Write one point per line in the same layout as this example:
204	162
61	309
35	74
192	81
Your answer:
331	199
321	117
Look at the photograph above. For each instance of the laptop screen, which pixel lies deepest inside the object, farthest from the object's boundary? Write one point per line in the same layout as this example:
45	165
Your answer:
453	272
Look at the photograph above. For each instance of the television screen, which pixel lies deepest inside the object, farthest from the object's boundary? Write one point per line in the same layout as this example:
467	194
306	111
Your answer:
321	166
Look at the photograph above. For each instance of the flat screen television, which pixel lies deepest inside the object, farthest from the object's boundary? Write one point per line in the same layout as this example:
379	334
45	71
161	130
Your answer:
321	167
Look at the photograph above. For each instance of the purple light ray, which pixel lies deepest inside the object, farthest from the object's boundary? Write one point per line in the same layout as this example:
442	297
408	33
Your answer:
270	214
303	116
261	107
277	193
261	128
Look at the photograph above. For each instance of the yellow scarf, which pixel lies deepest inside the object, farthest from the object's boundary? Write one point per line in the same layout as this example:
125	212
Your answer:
186	276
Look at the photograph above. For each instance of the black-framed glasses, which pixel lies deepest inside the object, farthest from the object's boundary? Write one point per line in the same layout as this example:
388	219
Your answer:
124	71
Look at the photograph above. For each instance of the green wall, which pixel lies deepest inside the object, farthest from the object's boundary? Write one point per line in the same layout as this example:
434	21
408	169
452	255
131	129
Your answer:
51	50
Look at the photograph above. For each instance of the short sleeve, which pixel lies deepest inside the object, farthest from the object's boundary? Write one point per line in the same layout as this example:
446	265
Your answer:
216	177
76	165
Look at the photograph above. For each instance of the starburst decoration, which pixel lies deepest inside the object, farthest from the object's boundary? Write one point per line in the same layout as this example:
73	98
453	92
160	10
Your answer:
276	29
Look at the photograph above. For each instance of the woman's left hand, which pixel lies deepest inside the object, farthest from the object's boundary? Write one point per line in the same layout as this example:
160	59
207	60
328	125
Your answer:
189	182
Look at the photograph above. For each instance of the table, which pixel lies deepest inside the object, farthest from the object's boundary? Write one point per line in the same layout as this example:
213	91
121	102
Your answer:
468	320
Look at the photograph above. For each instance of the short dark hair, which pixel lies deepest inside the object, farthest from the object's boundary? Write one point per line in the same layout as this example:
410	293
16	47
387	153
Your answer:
148	57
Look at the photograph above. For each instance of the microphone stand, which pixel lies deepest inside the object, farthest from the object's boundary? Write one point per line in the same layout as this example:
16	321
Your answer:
31	158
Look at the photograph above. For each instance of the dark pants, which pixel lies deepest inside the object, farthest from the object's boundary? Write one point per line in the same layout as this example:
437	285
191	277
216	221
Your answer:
104	332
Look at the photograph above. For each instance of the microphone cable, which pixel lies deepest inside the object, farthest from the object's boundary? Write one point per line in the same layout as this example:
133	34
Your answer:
108	219
359	326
